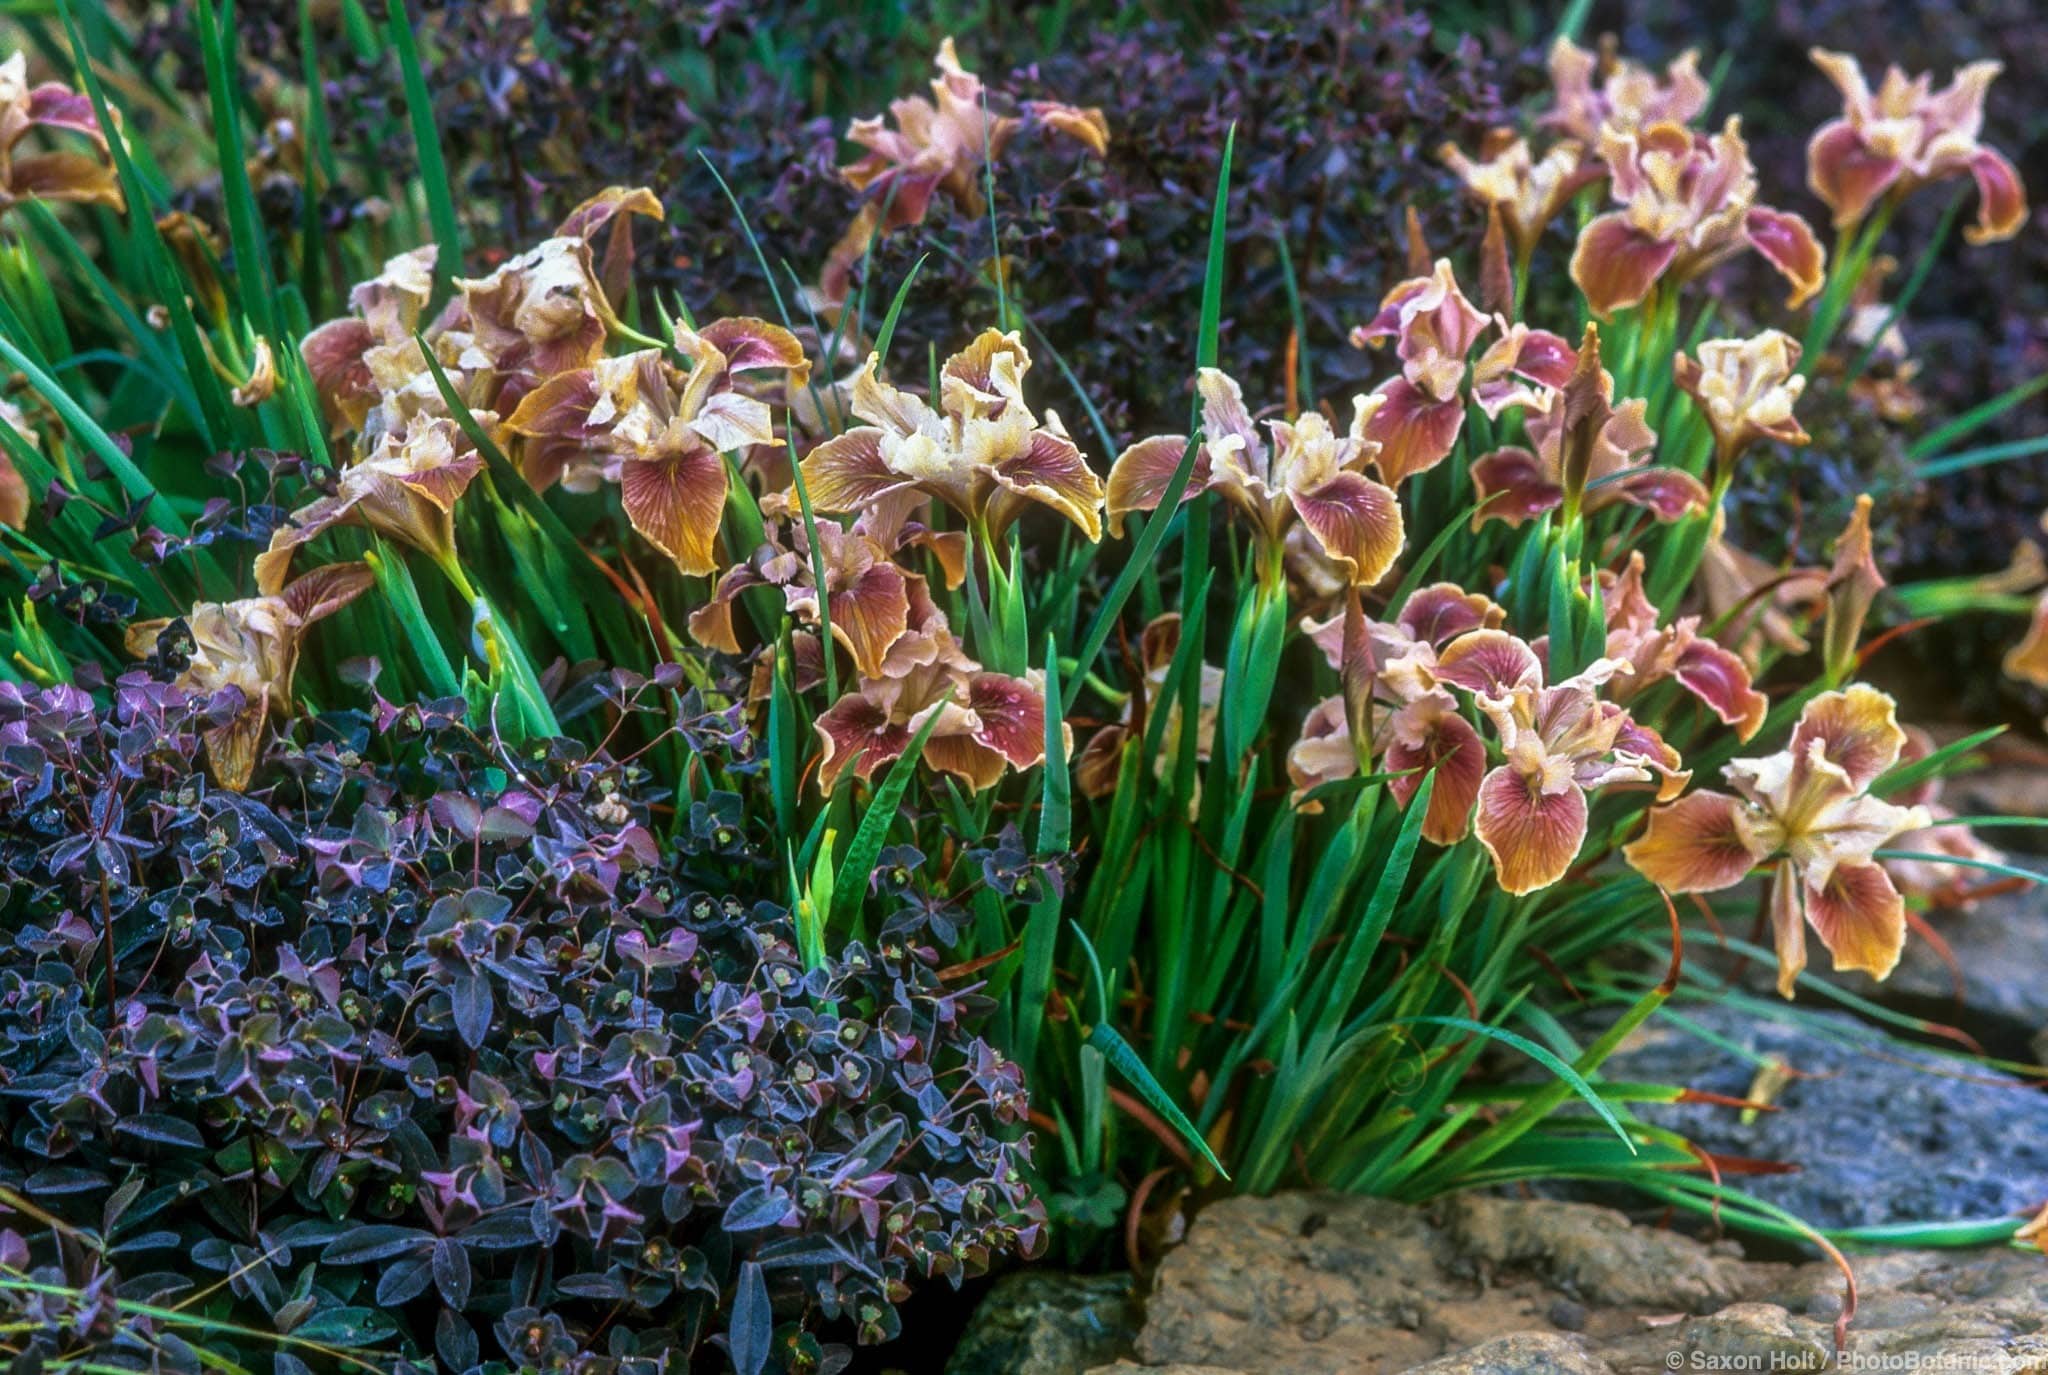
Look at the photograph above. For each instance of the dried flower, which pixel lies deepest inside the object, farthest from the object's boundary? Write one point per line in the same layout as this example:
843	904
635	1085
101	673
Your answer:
61	175
1097	765
14	493
1853	585
1905	135
253	647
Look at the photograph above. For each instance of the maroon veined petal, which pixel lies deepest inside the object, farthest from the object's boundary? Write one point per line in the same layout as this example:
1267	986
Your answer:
869	615
1860	917
1449	743
1100	761
1666	493
676	502
1012	715
272	566
14	497
1491	663
1052	472
1615	264
327	589
2001	198
846	472
1694	845
750	345
1443	611
1532	835
56	106
1546	358
233	749
1323	752
977	765
334	361
1414	430
857	725
1357	521
1787	241
444	484
1857	729
557	408
1139	478
2028	660
1846	172
1719	678
1514	485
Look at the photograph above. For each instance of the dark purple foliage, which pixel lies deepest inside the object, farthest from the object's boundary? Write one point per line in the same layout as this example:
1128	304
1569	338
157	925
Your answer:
432	1045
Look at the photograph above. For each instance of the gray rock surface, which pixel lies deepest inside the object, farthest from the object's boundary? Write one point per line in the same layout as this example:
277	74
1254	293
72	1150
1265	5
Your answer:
1881	1133
1305	1284
1046	1322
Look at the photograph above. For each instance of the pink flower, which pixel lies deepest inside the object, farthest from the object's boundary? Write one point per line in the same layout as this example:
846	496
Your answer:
1688	202
1906	134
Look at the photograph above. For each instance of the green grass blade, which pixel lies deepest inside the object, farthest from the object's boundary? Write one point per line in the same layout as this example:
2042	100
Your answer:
426	135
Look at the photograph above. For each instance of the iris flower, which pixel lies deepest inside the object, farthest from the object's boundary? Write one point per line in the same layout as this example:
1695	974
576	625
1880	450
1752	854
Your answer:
1746	389
253	646
1589	453
1417	725
1597	92
981	451
659	431
1559	742
60	175
1304	471
1906	134
1677	652
1100	760
1688	202
1807	811
1528	191
406	491
986	722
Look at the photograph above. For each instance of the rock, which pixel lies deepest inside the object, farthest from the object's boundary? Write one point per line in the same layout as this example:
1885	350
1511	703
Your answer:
1904	1135
1519	1353
1756	1336
1999	947
1047	1322
1307	1284
1593	1253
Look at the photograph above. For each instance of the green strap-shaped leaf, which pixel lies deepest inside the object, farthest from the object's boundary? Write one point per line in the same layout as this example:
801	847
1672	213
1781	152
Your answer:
1118	1052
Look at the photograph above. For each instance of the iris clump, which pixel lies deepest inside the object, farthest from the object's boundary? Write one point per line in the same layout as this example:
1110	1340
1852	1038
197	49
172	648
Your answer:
573	806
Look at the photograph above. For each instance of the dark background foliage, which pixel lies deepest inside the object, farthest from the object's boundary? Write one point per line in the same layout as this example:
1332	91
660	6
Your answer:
430	1044
1979	326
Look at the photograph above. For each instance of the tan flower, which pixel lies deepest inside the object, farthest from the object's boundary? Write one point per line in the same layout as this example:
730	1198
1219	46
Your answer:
253	647
60	175
982	451
1746	389
1302	472
1808	811
405	491
1688	202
